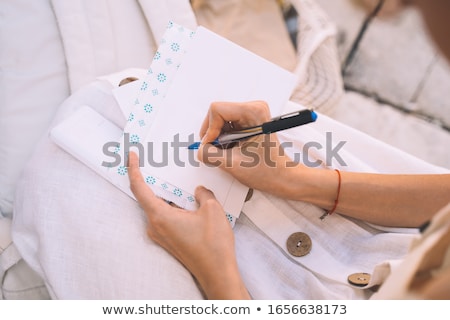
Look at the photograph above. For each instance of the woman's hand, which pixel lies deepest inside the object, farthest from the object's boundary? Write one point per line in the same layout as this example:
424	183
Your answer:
258	162
201	240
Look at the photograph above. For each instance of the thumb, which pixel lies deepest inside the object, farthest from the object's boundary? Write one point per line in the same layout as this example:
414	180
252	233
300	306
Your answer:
208	203
203	194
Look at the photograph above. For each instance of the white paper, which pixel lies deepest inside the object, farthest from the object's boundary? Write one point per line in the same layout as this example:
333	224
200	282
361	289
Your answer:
189	72
213	69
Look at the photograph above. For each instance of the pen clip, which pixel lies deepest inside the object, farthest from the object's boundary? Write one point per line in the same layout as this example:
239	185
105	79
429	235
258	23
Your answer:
290	114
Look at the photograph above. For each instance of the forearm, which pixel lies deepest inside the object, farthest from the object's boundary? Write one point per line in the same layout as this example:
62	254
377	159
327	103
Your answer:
384	199
223	284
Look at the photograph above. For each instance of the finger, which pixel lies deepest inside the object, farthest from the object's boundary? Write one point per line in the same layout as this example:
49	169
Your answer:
241	113
144	195
219	113
212	125
208	203
203	194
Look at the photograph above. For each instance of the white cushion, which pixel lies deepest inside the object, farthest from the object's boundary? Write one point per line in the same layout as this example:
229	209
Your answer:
101	37
33	83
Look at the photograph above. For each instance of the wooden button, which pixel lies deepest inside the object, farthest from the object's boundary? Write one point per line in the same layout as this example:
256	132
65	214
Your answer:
359	279
299	244
127	80
249	195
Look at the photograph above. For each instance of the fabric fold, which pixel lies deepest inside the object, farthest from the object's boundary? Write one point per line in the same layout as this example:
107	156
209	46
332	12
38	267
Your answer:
101	37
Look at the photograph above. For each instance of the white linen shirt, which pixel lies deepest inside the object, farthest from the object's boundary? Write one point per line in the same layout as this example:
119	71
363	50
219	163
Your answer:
87	239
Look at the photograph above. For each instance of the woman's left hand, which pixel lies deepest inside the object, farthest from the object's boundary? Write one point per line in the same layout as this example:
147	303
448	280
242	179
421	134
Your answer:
202	240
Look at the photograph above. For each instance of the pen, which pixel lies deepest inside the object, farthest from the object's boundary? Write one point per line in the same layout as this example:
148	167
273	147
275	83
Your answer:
286	121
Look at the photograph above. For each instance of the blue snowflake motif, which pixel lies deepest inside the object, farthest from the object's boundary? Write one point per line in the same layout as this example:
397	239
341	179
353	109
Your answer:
141	123
131	117
191	199
162	77
157	55
150	180
170	25
150	71
230	217
175	47
134	139
117	149
177	192
155	92
165	186
144	86
148	108
122	170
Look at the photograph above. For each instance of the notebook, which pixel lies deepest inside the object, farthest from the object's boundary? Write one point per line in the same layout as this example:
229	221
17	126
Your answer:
190	70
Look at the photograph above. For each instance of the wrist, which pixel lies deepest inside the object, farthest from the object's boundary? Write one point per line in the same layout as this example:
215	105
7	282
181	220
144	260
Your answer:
314	185
224	284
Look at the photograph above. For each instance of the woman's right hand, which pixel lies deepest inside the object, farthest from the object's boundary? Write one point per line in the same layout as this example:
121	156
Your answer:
258	162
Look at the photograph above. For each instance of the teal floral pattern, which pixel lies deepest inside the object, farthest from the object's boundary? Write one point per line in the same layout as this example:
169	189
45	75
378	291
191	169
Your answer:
166	61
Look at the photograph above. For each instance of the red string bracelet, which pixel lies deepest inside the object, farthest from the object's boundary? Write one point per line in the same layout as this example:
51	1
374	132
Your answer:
329	212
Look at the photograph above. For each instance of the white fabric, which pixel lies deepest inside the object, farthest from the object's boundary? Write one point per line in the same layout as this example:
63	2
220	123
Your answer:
430	256
102	229
8	253
90	243
33	84
17	280
101	37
